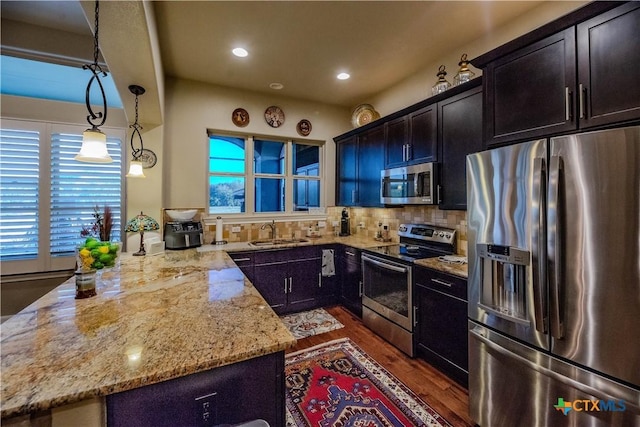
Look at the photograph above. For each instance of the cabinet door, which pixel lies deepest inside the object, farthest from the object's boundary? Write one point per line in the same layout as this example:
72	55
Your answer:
608	54
396	142
351	289
460	134
423	135
272	281
305	281
347	171
370	163
244	261
530	93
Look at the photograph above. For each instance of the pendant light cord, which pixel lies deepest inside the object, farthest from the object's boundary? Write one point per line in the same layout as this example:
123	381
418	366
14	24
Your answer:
96	70
136	131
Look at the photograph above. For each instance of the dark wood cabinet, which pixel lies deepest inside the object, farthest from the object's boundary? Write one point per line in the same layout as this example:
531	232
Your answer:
244	261
440	301
346	171
396	142
572	74
460	133
608	54
529	92
360	158
329	286
288	279
412	138
228	395
423	135
351	280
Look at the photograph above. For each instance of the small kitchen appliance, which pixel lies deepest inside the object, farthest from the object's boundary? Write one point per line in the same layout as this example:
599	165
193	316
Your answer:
345	224
409	185
387	306
183	234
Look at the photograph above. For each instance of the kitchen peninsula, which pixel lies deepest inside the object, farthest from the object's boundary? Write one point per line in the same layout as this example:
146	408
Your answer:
155	318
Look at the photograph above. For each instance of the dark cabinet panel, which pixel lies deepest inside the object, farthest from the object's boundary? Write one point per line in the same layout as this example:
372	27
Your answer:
304	283
272	281
396	142
231	394
423	135
244	261
346	171
351	286
370	163
529	92
608	52
360	158
460	133
441	325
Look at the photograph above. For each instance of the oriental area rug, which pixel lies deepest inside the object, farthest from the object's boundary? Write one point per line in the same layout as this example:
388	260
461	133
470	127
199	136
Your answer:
336	384
310	323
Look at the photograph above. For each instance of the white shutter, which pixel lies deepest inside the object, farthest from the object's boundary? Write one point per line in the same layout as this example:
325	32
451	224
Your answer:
19	182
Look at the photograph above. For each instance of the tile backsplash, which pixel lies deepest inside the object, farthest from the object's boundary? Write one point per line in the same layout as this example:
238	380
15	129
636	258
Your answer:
368	217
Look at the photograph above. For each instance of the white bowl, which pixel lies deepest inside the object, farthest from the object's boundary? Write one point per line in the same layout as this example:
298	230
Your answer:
181	215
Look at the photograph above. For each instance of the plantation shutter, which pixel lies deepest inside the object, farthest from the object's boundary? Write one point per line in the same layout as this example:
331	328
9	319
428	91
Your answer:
19	181
77	188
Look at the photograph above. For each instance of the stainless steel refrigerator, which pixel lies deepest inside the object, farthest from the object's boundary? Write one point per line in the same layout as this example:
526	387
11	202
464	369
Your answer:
554	281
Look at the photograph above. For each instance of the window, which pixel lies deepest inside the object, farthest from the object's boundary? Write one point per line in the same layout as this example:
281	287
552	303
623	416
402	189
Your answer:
47	196
263	175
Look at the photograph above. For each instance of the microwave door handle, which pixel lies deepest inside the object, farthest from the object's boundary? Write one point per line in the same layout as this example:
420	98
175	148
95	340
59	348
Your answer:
417	184
554	246
538	244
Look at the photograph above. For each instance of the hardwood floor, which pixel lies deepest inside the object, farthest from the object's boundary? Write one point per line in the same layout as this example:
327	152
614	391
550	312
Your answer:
444	395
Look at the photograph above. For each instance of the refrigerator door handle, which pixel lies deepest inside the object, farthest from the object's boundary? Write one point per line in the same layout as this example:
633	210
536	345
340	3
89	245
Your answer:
555	221
538	245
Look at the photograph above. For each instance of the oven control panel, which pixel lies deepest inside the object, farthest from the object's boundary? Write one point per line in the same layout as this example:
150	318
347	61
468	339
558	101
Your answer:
428	232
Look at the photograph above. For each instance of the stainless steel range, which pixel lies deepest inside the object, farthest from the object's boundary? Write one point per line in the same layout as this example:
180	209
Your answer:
387	280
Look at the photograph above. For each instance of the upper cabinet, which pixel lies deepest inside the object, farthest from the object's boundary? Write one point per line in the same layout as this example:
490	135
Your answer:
608	52
412	138
534	89
444	128
360	158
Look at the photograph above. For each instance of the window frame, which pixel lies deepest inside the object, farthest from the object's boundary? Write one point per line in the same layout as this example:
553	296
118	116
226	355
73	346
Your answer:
250	215
45	260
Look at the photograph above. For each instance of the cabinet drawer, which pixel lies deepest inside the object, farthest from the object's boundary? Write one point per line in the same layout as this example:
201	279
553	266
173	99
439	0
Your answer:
446	283
283	255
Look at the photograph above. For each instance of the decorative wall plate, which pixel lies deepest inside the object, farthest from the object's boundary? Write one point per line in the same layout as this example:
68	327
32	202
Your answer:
303	127
148	158
274	116
240	117
363	114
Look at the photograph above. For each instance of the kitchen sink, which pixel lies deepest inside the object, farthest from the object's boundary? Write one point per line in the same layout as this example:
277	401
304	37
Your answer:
272	242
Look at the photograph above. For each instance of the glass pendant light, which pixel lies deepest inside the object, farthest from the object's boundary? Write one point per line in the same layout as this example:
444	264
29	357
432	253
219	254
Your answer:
442	84
94	142
135	167
464	73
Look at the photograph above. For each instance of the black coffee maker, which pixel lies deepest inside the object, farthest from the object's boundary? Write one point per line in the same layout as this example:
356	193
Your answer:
345	229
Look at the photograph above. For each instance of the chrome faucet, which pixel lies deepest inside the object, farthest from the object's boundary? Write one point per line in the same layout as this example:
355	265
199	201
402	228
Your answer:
271	224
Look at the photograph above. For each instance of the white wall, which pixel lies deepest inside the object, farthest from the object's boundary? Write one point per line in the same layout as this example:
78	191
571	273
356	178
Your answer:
193	107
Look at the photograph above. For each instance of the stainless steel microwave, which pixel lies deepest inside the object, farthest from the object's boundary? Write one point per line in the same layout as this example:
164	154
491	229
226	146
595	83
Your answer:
409	185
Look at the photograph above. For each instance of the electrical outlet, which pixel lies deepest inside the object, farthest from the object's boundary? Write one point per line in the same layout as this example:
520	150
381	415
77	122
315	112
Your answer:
207	409
335	223
322	224
235	229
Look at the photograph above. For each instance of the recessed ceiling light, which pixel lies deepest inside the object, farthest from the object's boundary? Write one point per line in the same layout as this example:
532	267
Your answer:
343	76
276	86
240	52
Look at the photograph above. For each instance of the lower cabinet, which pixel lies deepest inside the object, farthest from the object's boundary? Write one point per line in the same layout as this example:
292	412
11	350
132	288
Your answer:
244	261
440	337
228	395
351	280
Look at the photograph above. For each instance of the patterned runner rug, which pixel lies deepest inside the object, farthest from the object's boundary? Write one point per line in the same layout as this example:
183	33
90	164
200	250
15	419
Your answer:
309	323
337	384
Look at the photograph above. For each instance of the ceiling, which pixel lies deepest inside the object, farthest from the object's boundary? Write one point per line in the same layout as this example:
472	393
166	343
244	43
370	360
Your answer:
300	44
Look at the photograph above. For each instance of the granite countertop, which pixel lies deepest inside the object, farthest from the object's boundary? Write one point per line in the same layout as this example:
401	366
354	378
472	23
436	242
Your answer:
461	270
155	318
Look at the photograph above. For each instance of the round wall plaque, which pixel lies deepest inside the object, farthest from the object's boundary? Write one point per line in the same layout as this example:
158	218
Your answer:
148	158
274	116
240	117
304	127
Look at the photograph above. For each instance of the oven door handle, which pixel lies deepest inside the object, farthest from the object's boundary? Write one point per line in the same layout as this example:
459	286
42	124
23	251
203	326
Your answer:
385	265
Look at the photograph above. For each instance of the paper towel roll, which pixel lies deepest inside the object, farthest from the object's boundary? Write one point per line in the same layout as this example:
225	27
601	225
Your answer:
219	229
